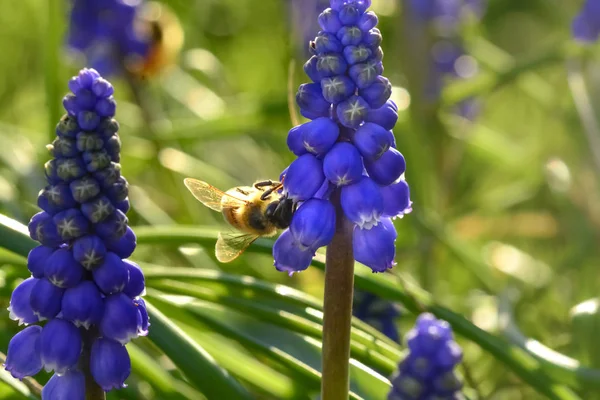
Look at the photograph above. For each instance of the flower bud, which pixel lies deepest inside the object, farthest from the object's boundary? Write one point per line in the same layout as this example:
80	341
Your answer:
43	229
310	69
310	98
352	112
313	224
125	245
319	135
365	74
96	160
68	169
63	270
136	284
113	227
362	202
385	116
88	120
83	305
89	251
378	93
112	275
97	209
331	64
349	35
326	42
102	88
396	199
56	198
89	141
23	356
37	259
67	127
289	255
337	88
329	21
372	141
20	305
295	140
343	165
70	385
70	224
45	299
303	178
372	38
143	318
374	247
367	21
106	107
356	54
109	364
388	168
120	319
60	346
118	191
349	14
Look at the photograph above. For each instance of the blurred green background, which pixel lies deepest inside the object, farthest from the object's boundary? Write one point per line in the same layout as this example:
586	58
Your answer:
506	220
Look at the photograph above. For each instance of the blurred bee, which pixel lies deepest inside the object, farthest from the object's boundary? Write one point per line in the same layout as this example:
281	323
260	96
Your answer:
165	33
255	211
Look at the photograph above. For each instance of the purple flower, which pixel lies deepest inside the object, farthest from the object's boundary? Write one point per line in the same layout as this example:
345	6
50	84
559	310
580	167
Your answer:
70	385
428	369
586	25
377	312
348	146
20	305
23	357
110	364
84	236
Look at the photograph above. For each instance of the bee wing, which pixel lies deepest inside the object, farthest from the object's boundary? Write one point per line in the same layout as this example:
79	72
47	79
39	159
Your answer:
209	195
231	244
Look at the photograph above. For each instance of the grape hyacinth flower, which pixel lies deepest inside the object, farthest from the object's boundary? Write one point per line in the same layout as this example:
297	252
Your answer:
109	34
448	56
427	372
347	148
81	282
586	25
377	312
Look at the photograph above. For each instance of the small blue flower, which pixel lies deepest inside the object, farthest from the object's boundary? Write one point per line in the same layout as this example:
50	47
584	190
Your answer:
303	178
428	369
125	245
71	224
120	320
372	140
136	283
70	385
343	165
20	305
311	101
112	275
396	199
374	246
83	305
36	260
385	116
110	364
362	202
586	25
319	135
63	270
45	299
313	224
60	346
290	255
89	251
23	356
388	168
143	318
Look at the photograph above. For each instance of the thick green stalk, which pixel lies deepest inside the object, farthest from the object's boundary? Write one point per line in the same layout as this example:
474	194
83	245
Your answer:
92	390
339	286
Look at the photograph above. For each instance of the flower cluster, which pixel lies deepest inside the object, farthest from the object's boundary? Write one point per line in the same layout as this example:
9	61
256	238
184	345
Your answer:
123	35
378	313
586	25
348	145
448	57
427	372
80	281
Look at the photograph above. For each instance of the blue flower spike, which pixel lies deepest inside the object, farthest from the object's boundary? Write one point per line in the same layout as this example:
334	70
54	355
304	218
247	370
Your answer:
81	283
347	146
427	372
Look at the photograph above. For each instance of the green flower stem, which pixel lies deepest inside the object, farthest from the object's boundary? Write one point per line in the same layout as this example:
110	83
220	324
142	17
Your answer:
339	285
92	390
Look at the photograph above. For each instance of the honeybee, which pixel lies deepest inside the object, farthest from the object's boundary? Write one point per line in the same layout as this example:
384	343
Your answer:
254	211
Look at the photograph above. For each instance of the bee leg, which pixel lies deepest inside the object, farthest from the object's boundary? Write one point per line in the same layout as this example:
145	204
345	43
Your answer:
245	193
260	184
275	186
